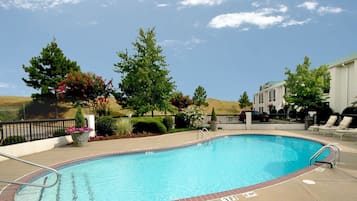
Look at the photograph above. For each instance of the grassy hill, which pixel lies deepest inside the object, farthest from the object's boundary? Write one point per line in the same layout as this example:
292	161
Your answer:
13	104
222	107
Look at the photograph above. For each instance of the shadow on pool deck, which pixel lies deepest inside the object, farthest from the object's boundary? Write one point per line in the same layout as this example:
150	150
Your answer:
331	184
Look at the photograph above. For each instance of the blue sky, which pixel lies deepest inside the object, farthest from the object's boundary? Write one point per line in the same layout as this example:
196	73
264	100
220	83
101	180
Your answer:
226	46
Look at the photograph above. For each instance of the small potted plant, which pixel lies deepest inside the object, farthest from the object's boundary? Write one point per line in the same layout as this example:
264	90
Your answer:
79	133
213	122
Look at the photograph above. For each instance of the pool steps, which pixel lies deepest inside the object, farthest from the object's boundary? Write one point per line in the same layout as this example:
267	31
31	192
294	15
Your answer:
42	188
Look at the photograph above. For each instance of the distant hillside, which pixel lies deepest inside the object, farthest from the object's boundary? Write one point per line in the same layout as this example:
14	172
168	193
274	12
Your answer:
222	107
13	102
16	103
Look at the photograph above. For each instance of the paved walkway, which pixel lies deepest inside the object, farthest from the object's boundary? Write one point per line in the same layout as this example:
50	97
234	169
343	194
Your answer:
331	184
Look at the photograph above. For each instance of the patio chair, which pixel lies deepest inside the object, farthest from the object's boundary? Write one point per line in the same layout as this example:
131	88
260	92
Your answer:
330	122
344	124
341	132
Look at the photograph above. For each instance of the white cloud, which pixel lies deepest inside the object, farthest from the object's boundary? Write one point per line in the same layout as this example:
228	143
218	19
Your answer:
200	2
35	4
295	22
262	18
313	6
160	5
179	44
309	5
327	10
106	4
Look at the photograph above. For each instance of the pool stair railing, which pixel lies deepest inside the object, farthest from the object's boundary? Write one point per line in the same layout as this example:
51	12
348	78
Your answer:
202	133
44	185
332	160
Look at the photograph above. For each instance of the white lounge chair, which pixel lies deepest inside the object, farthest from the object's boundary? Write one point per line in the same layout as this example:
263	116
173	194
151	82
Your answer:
330	122
344	124
341	132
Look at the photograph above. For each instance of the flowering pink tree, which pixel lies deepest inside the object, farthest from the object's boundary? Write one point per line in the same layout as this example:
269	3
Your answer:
87	88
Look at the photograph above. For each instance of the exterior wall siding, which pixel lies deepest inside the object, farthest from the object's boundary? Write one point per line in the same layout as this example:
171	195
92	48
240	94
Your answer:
343	86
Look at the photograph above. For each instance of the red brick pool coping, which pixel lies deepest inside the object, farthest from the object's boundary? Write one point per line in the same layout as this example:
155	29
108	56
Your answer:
8	193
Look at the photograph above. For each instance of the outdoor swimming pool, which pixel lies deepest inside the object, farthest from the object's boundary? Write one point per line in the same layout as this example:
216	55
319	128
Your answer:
222	164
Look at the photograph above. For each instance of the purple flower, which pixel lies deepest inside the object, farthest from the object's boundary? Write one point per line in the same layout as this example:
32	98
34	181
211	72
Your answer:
73	130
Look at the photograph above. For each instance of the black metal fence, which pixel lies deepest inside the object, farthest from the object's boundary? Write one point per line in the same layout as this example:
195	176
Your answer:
23	131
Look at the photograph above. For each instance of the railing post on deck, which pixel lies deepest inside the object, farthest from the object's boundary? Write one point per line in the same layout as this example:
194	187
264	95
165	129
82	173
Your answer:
30	131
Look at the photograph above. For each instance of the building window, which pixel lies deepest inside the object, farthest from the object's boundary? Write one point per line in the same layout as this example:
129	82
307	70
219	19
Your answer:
261	98
272	95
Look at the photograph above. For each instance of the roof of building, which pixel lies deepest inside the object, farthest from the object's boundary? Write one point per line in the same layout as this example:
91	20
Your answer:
271	84
346	59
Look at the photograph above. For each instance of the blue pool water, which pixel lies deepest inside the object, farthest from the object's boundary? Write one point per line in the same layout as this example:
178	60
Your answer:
222	164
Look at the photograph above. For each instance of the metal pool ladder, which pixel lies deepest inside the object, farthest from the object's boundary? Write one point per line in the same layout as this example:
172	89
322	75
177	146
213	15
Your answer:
202	133
58	175
336	154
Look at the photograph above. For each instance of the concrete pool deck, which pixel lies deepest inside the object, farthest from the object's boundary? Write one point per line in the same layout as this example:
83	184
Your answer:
339	183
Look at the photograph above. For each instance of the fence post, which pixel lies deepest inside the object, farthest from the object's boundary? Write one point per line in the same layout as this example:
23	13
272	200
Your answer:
248	120
91	124
30	131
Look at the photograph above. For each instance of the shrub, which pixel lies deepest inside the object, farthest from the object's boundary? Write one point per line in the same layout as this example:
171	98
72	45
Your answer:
80	122
323	113
168	122
14	140
59	132
281	113
124	126
105	125
213	115
150	125
182	121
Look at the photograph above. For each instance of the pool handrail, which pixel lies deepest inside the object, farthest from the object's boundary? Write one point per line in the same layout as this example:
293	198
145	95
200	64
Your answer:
202	133
336	155
58	175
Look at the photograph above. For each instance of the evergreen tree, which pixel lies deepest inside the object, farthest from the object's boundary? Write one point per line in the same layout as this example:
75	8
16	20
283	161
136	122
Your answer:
46	71
199	97
244	100
145	85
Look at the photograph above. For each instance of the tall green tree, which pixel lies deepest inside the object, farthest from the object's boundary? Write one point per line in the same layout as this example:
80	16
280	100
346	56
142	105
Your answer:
46	71
200	96
244	100
145	85
306	87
